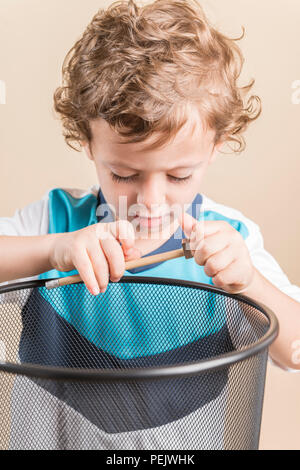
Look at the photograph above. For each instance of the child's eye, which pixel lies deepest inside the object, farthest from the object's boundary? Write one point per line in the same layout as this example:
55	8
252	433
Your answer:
180	180
129	179
123	179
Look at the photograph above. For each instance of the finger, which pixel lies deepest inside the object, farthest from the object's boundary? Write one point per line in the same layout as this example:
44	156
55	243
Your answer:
85	269
219	261
187	223
199	229
231	278
122	230
114	256
133	253
209	246
197	235
99	264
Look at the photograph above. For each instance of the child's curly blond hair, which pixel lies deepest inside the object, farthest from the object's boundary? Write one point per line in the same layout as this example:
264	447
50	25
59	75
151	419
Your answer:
141	68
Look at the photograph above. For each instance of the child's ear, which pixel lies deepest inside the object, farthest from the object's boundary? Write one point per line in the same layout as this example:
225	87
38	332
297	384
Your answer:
87	150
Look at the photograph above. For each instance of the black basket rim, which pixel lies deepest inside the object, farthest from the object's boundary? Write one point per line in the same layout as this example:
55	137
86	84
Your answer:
150	373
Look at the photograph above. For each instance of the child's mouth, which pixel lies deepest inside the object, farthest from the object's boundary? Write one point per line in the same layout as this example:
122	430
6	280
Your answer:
151	222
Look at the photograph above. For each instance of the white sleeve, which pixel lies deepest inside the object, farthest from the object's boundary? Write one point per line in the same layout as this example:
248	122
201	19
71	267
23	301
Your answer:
270	269
267	265
32	220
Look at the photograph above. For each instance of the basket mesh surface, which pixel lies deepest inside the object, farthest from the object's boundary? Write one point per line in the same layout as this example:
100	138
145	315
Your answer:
132	325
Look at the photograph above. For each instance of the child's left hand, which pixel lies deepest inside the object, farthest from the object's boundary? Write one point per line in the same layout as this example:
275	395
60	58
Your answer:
222	251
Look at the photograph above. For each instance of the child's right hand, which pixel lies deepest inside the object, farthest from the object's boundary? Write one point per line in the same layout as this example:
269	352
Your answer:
95	252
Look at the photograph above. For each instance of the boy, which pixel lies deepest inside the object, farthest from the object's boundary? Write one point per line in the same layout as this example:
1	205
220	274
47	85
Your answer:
151	95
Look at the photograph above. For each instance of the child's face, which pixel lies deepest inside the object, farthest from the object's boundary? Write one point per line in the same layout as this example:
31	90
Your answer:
155	182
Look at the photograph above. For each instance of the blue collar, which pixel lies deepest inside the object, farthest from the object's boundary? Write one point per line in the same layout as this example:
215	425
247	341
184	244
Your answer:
174	242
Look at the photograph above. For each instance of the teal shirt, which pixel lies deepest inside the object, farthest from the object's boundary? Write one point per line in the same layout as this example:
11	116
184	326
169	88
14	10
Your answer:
68	214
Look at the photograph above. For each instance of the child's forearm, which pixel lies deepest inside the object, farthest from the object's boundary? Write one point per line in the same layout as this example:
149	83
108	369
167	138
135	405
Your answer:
23	257
287	311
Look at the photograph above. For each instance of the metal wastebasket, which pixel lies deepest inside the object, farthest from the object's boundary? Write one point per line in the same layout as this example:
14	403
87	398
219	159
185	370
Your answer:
153	363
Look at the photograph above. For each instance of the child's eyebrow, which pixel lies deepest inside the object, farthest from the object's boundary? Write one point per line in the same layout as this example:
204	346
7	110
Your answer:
187	165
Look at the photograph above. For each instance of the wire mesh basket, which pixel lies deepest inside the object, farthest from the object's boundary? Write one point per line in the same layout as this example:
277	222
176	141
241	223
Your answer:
152	363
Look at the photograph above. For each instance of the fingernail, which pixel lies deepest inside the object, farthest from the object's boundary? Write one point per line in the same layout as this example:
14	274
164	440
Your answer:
95	291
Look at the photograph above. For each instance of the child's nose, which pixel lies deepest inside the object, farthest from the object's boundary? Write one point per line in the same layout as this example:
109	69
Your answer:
152	193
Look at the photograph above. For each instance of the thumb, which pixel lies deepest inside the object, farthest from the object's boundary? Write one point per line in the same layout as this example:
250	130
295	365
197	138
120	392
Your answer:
124	232
132	254
187	223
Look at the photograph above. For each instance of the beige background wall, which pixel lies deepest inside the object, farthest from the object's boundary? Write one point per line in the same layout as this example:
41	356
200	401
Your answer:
262	182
